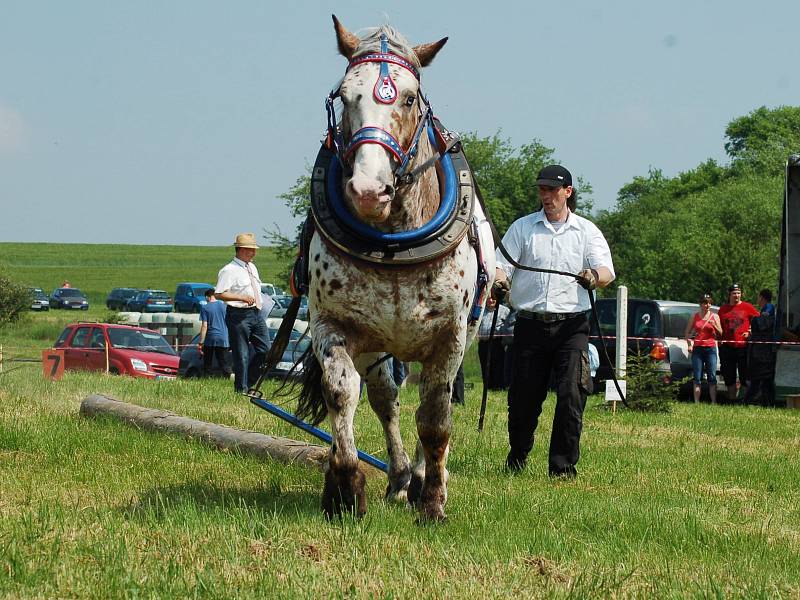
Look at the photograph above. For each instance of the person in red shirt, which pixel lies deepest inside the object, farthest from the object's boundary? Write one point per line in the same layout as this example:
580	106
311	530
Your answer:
701	336
735	318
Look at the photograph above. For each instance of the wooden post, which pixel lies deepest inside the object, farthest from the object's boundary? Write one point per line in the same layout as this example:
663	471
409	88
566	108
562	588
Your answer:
106	349
1	358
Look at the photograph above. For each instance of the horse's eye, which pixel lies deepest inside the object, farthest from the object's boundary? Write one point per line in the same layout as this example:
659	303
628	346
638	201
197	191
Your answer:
410	101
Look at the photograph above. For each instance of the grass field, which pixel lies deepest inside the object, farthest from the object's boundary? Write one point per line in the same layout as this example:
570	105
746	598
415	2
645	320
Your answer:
702	502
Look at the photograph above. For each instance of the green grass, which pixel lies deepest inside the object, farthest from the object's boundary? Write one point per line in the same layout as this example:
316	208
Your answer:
97	268
701	502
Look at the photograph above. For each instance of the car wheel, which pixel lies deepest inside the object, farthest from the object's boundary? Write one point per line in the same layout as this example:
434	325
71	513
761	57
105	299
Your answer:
114	371
192	373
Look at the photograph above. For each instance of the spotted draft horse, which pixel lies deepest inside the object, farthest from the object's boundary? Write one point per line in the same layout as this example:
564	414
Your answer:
394	265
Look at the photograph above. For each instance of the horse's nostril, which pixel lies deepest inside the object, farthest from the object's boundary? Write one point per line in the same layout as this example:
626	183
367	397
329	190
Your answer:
389	191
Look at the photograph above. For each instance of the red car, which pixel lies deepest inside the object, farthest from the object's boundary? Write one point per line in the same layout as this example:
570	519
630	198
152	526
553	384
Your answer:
130	350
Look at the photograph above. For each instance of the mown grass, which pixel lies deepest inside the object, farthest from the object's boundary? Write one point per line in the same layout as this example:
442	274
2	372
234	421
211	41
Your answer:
701	502
97	268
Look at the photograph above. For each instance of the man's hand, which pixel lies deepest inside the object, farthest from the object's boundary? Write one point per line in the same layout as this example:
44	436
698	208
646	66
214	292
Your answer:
588	279
500	289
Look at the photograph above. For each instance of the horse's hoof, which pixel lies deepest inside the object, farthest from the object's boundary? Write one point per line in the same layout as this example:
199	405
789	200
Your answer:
433	517
344	493
396	496
414	490
397	489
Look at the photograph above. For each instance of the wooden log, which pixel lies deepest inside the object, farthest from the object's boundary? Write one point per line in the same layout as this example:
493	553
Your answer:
228	438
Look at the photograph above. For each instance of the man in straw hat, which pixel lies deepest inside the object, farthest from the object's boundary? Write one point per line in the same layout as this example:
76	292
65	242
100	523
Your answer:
239	286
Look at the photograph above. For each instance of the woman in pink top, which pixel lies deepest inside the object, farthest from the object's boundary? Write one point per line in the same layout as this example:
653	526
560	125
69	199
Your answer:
701	336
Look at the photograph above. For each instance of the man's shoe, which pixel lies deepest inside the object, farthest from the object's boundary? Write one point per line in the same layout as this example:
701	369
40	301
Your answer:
515	464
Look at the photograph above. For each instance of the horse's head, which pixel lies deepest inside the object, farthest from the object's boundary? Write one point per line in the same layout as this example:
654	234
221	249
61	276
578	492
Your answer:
383	114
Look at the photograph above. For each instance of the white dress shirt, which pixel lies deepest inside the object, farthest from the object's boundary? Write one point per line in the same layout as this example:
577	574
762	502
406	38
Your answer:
235	277
533	241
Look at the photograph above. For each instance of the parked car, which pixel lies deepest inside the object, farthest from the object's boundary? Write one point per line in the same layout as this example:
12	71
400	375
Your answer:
69	298
271	289
150	301
133	351
39	299
282	303
191	362
655	328
189	297
118	297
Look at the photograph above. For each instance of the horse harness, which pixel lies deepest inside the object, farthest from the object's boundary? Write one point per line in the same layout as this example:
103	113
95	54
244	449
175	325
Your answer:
343	234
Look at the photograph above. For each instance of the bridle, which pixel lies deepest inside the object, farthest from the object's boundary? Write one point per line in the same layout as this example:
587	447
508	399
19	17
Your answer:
385	92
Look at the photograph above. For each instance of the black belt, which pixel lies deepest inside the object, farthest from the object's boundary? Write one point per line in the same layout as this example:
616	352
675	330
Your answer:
548	317
242	308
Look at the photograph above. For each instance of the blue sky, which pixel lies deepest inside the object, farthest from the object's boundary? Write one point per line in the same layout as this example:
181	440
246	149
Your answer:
181	122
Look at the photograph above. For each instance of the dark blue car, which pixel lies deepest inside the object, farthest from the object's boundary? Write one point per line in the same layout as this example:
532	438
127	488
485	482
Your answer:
150	301
189	297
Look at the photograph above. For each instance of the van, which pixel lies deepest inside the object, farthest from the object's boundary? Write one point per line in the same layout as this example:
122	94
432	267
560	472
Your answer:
655	328
189	297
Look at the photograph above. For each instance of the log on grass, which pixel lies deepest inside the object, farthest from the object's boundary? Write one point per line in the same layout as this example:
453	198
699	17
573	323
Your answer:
228	438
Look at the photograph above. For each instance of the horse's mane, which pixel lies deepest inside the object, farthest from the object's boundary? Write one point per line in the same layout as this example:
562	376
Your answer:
398	44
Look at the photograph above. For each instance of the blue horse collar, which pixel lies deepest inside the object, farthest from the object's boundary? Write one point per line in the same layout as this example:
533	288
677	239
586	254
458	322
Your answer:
340	229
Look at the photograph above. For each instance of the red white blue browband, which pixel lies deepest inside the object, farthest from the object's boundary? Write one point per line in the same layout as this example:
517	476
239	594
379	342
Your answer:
385	92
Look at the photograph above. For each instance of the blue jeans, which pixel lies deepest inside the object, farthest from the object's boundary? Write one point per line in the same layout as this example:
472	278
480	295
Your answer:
704	357
246	327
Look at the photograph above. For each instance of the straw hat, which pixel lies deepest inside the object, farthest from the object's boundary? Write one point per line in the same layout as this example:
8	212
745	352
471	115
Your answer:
245	240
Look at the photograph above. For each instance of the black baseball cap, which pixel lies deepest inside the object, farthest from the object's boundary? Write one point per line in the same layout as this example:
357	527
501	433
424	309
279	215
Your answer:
554	176
734	288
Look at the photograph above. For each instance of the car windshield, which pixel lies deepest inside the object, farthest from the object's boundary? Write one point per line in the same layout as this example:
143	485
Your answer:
135	339
159	295
70	293
39	294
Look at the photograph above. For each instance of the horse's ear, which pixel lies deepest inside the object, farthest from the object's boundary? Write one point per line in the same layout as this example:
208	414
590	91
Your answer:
427	52
347	41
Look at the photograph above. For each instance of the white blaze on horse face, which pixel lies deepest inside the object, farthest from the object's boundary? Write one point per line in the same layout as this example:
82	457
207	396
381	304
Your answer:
371	187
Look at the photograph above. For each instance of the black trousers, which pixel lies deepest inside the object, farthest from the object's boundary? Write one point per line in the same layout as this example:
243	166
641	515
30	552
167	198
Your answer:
495	378
221	355
458	387
542	350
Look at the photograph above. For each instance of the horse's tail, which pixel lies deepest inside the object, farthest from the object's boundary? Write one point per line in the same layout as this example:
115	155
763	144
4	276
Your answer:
310	403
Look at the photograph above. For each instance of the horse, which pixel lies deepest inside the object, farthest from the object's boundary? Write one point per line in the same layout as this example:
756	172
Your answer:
395	266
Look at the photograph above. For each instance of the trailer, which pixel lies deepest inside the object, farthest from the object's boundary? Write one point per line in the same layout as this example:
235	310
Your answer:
787	360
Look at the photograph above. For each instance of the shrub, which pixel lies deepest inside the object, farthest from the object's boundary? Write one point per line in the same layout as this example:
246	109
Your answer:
646	389
14	300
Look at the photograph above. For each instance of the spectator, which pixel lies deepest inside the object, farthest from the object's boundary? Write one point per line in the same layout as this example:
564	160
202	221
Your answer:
765	302
735	319
239	286
761	351
495	379
213	341
66	284
701	336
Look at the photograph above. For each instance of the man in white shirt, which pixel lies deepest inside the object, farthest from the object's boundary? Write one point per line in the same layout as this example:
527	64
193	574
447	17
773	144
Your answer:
239	286
552	328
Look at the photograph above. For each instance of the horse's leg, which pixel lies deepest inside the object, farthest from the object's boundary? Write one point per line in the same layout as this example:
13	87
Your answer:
433	426
344	480
383	397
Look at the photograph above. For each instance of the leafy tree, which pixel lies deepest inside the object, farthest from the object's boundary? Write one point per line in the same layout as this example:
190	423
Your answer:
705	228
14	300
763	139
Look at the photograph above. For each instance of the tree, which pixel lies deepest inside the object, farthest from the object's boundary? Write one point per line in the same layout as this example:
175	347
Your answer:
763	139
676	238
14	300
